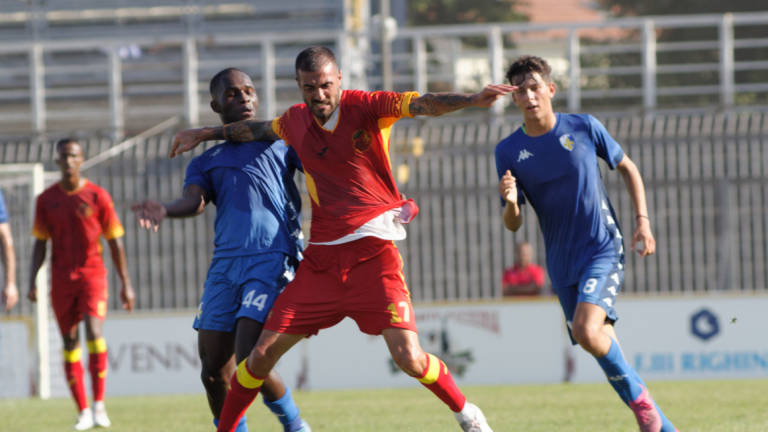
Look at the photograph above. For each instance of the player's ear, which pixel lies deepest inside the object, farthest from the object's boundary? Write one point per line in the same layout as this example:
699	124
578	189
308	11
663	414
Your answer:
215	106
552	88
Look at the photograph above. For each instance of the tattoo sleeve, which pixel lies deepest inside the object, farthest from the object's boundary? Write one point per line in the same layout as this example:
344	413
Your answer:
249	130
434	104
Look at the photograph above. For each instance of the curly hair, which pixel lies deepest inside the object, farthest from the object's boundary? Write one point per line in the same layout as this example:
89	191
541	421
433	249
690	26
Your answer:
527	64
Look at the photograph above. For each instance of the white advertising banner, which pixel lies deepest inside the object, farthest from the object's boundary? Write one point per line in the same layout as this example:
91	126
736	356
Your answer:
508	342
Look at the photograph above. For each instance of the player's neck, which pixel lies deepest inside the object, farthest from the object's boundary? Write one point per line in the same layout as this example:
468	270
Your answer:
537	126
70	184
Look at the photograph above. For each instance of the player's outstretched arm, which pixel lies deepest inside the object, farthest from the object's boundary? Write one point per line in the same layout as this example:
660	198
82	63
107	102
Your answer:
127	296
513	217
642	239
242	131
435	104
150	212
10	294
38	256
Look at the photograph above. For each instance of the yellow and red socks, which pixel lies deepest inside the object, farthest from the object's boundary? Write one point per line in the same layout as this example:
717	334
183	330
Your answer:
244	387
73	371
97	366
438	380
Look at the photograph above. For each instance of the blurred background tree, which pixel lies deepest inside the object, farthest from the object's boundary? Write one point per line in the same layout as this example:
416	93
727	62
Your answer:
431	12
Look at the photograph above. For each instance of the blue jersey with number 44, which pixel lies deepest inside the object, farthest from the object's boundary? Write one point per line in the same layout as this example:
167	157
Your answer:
558	174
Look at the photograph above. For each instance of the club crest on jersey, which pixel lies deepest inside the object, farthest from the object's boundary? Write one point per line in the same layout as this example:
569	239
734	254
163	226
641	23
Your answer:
361	140
84	210
567	141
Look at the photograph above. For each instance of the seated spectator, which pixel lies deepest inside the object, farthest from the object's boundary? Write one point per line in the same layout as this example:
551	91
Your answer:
524	278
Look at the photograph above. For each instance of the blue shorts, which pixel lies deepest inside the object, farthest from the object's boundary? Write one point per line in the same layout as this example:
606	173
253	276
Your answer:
245	286
599	284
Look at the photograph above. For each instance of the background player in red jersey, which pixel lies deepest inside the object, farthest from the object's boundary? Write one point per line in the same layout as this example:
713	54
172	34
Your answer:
74	213
351	267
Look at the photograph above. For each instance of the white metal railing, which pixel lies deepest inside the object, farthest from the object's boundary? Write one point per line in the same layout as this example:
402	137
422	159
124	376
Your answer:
101	89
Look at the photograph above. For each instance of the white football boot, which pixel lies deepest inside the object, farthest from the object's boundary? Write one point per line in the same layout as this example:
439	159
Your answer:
471	419
84	420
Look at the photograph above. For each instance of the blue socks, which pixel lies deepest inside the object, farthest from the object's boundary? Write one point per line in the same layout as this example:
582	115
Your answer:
241	426
286	411
622	377
626	381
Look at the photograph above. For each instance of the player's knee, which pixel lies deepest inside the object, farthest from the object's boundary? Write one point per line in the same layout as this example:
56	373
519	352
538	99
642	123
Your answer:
586	336
213	376
410	361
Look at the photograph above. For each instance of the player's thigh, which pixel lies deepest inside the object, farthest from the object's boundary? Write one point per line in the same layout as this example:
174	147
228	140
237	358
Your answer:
247	332
215	349
378	296
600	284
94	298
220	301
263	278
65	300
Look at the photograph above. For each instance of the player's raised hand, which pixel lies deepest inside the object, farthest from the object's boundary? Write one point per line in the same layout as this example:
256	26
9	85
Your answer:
508	187
186	140
10	296
642	239
150	213
490	93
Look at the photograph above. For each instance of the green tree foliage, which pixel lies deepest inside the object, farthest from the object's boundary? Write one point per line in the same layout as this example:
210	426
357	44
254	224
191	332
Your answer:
434	12
679	7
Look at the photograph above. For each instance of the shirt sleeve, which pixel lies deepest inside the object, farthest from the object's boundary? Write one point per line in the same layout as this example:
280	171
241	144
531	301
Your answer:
39	227
196	176
3	210
391	104
111	227
607	148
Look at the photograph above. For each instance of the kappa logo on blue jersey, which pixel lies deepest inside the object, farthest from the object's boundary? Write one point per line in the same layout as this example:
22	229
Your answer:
567	141
524	154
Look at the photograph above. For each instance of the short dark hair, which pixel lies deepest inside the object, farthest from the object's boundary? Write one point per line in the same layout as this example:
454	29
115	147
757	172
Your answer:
64	141
529	64
313	58
219	77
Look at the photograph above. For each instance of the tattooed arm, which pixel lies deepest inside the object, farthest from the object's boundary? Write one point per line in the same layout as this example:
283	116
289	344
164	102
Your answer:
242	131
435	104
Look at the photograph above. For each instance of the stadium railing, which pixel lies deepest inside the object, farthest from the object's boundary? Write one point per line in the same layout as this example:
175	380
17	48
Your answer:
118	80
706	174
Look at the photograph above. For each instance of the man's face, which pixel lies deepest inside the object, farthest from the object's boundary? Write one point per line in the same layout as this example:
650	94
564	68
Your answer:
533	95
69	160
321	90
235	98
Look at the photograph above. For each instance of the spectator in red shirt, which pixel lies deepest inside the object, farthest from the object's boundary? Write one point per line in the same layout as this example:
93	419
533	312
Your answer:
524	277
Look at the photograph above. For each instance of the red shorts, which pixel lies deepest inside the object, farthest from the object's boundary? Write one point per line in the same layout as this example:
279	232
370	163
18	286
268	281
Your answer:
72	299
362	280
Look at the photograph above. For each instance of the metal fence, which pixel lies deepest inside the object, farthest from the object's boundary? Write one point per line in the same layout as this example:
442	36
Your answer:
706	176
92	80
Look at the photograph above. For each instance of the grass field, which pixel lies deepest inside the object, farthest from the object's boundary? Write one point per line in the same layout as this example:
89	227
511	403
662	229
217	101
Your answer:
716	406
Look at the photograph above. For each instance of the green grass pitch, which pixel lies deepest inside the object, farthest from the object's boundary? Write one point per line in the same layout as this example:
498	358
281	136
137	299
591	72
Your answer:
716	406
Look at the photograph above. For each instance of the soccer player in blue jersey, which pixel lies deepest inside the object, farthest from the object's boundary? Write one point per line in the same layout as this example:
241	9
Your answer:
257	244
551	162
10	294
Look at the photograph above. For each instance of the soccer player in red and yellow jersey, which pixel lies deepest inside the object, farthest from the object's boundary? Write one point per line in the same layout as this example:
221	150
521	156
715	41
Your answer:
351	267
74	213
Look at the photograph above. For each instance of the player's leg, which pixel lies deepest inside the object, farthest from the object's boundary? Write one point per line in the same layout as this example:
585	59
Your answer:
592	327
94	311
433	374
262	278
250	375
216	350
65	307
380	304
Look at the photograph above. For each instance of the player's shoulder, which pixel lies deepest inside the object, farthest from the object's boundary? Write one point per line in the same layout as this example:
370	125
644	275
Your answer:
512	140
